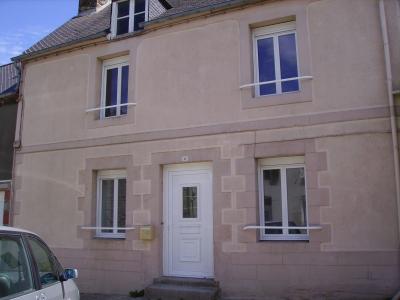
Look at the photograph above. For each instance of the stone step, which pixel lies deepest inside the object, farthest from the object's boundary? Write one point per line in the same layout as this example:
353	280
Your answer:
175	288
205	282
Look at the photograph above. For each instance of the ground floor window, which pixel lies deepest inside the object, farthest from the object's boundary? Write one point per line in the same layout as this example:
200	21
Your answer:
111	203
283	201
5	207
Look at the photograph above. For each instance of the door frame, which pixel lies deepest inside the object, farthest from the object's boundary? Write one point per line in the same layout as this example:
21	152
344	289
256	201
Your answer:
175	168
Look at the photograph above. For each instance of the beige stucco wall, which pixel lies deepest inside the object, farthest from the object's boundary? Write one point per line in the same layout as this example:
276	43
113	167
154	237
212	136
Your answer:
214	54
185	80
357	183
350	195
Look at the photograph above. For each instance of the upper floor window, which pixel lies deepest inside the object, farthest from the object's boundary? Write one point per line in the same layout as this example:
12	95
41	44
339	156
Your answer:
128	16
283	202
275	59
114	92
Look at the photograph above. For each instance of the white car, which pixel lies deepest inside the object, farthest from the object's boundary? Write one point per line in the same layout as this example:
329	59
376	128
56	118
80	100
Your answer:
29	270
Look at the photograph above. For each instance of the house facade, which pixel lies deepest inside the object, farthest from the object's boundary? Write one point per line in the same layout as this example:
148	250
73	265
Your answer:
252	142
9	83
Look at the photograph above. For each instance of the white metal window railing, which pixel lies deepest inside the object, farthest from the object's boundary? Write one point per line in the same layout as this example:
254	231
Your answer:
110	106
275	81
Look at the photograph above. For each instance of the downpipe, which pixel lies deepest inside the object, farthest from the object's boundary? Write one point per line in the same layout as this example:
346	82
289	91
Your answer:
393	125
17	139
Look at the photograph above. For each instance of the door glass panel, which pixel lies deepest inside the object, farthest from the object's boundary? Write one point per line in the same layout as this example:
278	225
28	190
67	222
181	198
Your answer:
45	263
111	91
124	89
288	62
15	275
266	65
272	200
296	198
107	204
121	203
189	199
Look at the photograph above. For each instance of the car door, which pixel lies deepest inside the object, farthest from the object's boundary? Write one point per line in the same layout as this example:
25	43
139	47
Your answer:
16	277
48	270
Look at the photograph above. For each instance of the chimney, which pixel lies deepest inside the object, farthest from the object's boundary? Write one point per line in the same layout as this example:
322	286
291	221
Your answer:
86	6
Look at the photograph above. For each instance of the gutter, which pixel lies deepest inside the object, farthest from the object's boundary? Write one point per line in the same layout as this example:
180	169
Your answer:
393	125
18	126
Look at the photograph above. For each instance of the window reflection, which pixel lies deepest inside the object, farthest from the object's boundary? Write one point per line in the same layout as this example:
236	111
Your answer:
272	200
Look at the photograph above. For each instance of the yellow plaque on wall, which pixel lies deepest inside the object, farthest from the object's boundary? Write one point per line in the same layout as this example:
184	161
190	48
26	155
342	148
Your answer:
146	233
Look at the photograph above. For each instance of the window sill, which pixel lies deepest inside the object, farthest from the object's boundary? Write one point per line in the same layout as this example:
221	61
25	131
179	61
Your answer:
126	35
113	117
93	121
109	238
305	240
249	100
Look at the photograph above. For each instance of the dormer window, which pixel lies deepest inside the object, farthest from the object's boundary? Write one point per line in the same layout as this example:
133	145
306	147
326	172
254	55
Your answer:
128	16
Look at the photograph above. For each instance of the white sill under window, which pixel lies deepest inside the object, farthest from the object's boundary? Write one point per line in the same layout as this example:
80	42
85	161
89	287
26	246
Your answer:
283	237
108	235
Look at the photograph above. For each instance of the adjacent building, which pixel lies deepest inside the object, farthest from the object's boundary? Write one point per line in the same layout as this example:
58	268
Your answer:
252	142
9	83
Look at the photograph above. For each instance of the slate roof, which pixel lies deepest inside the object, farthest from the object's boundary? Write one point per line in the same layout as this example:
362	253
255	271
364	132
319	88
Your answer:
77	29
184	6
97	24
9	80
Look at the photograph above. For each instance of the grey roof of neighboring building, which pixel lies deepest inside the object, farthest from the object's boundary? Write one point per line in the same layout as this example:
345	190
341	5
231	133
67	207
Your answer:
97	24
9	80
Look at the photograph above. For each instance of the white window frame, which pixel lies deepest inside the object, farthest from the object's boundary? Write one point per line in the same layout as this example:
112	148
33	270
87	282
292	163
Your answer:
274	31
109	175
281	163
107	65
131	16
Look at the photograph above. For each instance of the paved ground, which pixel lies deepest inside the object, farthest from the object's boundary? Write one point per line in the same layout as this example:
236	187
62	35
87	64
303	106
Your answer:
107	297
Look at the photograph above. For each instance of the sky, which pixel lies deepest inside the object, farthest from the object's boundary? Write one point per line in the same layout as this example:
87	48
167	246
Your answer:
25	22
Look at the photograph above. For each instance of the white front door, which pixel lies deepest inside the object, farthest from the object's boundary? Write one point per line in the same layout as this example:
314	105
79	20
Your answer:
188	221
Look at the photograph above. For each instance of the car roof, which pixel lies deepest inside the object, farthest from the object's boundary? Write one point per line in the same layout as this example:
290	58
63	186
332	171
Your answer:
14	229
